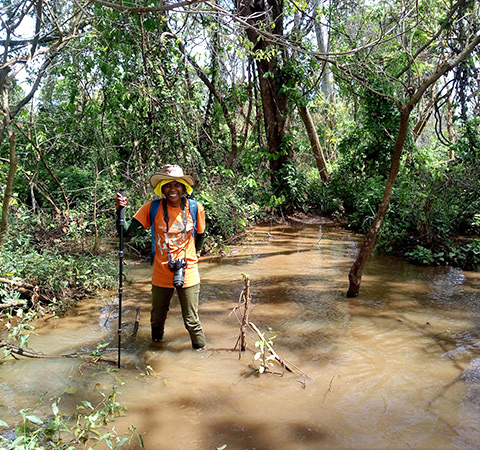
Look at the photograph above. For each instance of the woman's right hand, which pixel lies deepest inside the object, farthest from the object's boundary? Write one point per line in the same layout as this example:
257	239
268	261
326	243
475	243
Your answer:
120	200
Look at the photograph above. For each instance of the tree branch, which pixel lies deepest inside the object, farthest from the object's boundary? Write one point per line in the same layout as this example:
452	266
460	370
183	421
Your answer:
144	9
442	70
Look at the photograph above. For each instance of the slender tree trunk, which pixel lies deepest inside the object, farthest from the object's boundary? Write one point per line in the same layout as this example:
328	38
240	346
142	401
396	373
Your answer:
12	139
424	116
229	117
356	272
314	142
322	35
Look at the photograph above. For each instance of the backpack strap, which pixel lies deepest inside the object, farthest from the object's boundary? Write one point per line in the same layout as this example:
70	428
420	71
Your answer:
153	213
193	206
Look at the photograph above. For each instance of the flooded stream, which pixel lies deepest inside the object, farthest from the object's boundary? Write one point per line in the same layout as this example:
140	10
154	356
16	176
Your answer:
396	368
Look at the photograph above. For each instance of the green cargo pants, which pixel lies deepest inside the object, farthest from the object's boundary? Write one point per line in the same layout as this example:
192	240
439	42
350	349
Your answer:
188	298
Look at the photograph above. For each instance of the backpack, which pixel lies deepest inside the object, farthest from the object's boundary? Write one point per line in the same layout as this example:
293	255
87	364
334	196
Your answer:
193	206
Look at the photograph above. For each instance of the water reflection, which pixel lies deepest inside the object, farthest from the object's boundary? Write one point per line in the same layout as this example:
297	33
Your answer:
396	367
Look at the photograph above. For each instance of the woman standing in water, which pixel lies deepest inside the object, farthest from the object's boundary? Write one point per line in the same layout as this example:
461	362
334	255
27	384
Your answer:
177	238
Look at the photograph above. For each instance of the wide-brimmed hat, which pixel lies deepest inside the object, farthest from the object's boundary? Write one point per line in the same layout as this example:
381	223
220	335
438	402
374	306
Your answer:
170	172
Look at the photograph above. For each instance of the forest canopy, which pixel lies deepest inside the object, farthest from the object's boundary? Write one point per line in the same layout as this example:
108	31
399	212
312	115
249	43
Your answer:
360	110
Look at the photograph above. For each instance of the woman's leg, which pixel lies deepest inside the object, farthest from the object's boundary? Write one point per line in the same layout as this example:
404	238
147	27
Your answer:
160	305
189	302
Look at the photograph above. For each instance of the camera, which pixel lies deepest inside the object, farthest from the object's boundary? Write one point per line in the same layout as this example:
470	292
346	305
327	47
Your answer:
177	266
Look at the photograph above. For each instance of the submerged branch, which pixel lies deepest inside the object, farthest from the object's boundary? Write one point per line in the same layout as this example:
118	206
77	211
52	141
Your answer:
30	354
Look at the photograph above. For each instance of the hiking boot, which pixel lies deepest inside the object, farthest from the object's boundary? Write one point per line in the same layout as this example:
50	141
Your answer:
157	334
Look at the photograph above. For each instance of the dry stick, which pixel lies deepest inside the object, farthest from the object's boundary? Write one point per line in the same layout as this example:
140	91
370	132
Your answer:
244	325
12	304
244	300
234	311
329	389
29	354
136	324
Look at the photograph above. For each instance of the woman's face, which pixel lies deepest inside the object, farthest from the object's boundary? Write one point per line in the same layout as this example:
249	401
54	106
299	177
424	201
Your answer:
173	192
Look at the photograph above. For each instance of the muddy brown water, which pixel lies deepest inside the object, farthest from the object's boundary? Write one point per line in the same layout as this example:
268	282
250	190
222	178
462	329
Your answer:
396	368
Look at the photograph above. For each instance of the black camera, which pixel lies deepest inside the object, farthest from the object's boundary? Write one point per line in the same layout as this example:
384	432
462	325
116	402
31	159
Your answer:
177	266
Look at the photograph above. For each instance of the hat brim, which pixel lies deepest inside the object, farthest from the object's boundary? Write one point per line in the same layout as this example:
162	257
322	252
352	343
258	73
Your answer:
157	177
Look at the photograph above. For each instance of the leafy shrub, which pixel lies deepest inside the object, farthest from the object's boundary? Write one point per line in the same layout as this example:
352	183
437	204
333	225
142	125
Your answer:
229	208
53	262
359	196
294	187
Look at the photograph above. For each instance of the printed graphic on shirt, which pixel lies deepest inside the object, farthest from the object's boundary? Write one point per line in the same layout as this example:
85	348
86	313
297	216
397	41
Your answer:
176	239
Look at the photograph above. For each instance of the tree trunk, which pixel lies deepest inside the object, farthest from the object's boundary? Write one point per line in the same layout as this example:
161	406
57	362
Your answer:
275	107
275	115
12	138
356	272
236	152
314	142
322	35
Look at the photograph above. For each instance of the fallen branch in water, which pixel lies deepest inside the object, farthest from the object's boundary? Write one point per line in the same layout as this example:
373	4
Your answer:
30	354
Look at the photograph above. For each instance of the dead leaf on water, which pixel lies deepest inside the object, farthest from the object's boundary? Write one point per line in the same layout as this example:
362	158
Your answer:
71	390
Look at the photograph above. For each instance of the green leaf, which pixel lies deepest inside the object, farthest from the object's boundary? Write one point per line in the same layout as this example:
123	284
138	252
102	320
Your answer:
3	424
34	419
122	441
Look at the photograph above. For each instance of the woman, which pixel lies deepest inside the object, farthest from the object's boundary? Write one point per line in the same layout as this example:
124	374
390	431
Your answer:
177	238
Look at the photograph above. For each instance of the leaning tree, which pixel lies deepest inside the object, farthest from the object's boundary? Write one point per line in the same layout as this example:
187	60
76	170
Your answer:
405	51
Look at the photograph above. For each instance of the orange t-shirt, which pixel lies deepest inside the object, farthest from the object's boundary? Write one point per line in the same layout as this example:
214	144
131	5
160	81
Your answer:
181	244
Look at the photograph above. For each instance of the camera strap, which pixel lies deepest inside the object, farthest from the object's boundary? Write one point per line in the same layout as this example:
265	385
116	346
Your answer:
166	219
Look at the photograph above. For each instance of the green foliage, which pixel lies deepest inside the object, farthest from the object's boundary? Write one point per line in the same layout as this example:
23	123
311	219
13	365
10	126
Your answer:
422	255
63	432
357	195
466	255
20	327
320	197
78	272
228	206
467	147
49	258
293	188
263	356
368	142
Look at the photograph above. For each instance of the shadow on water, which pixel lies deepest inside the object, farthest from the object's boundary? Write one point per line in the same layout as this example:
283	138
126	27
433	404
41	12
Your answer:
397	367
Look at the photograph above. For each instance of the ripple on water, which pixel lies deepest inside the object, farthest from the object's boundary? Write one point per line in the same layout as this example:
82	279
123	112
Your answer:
471	375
